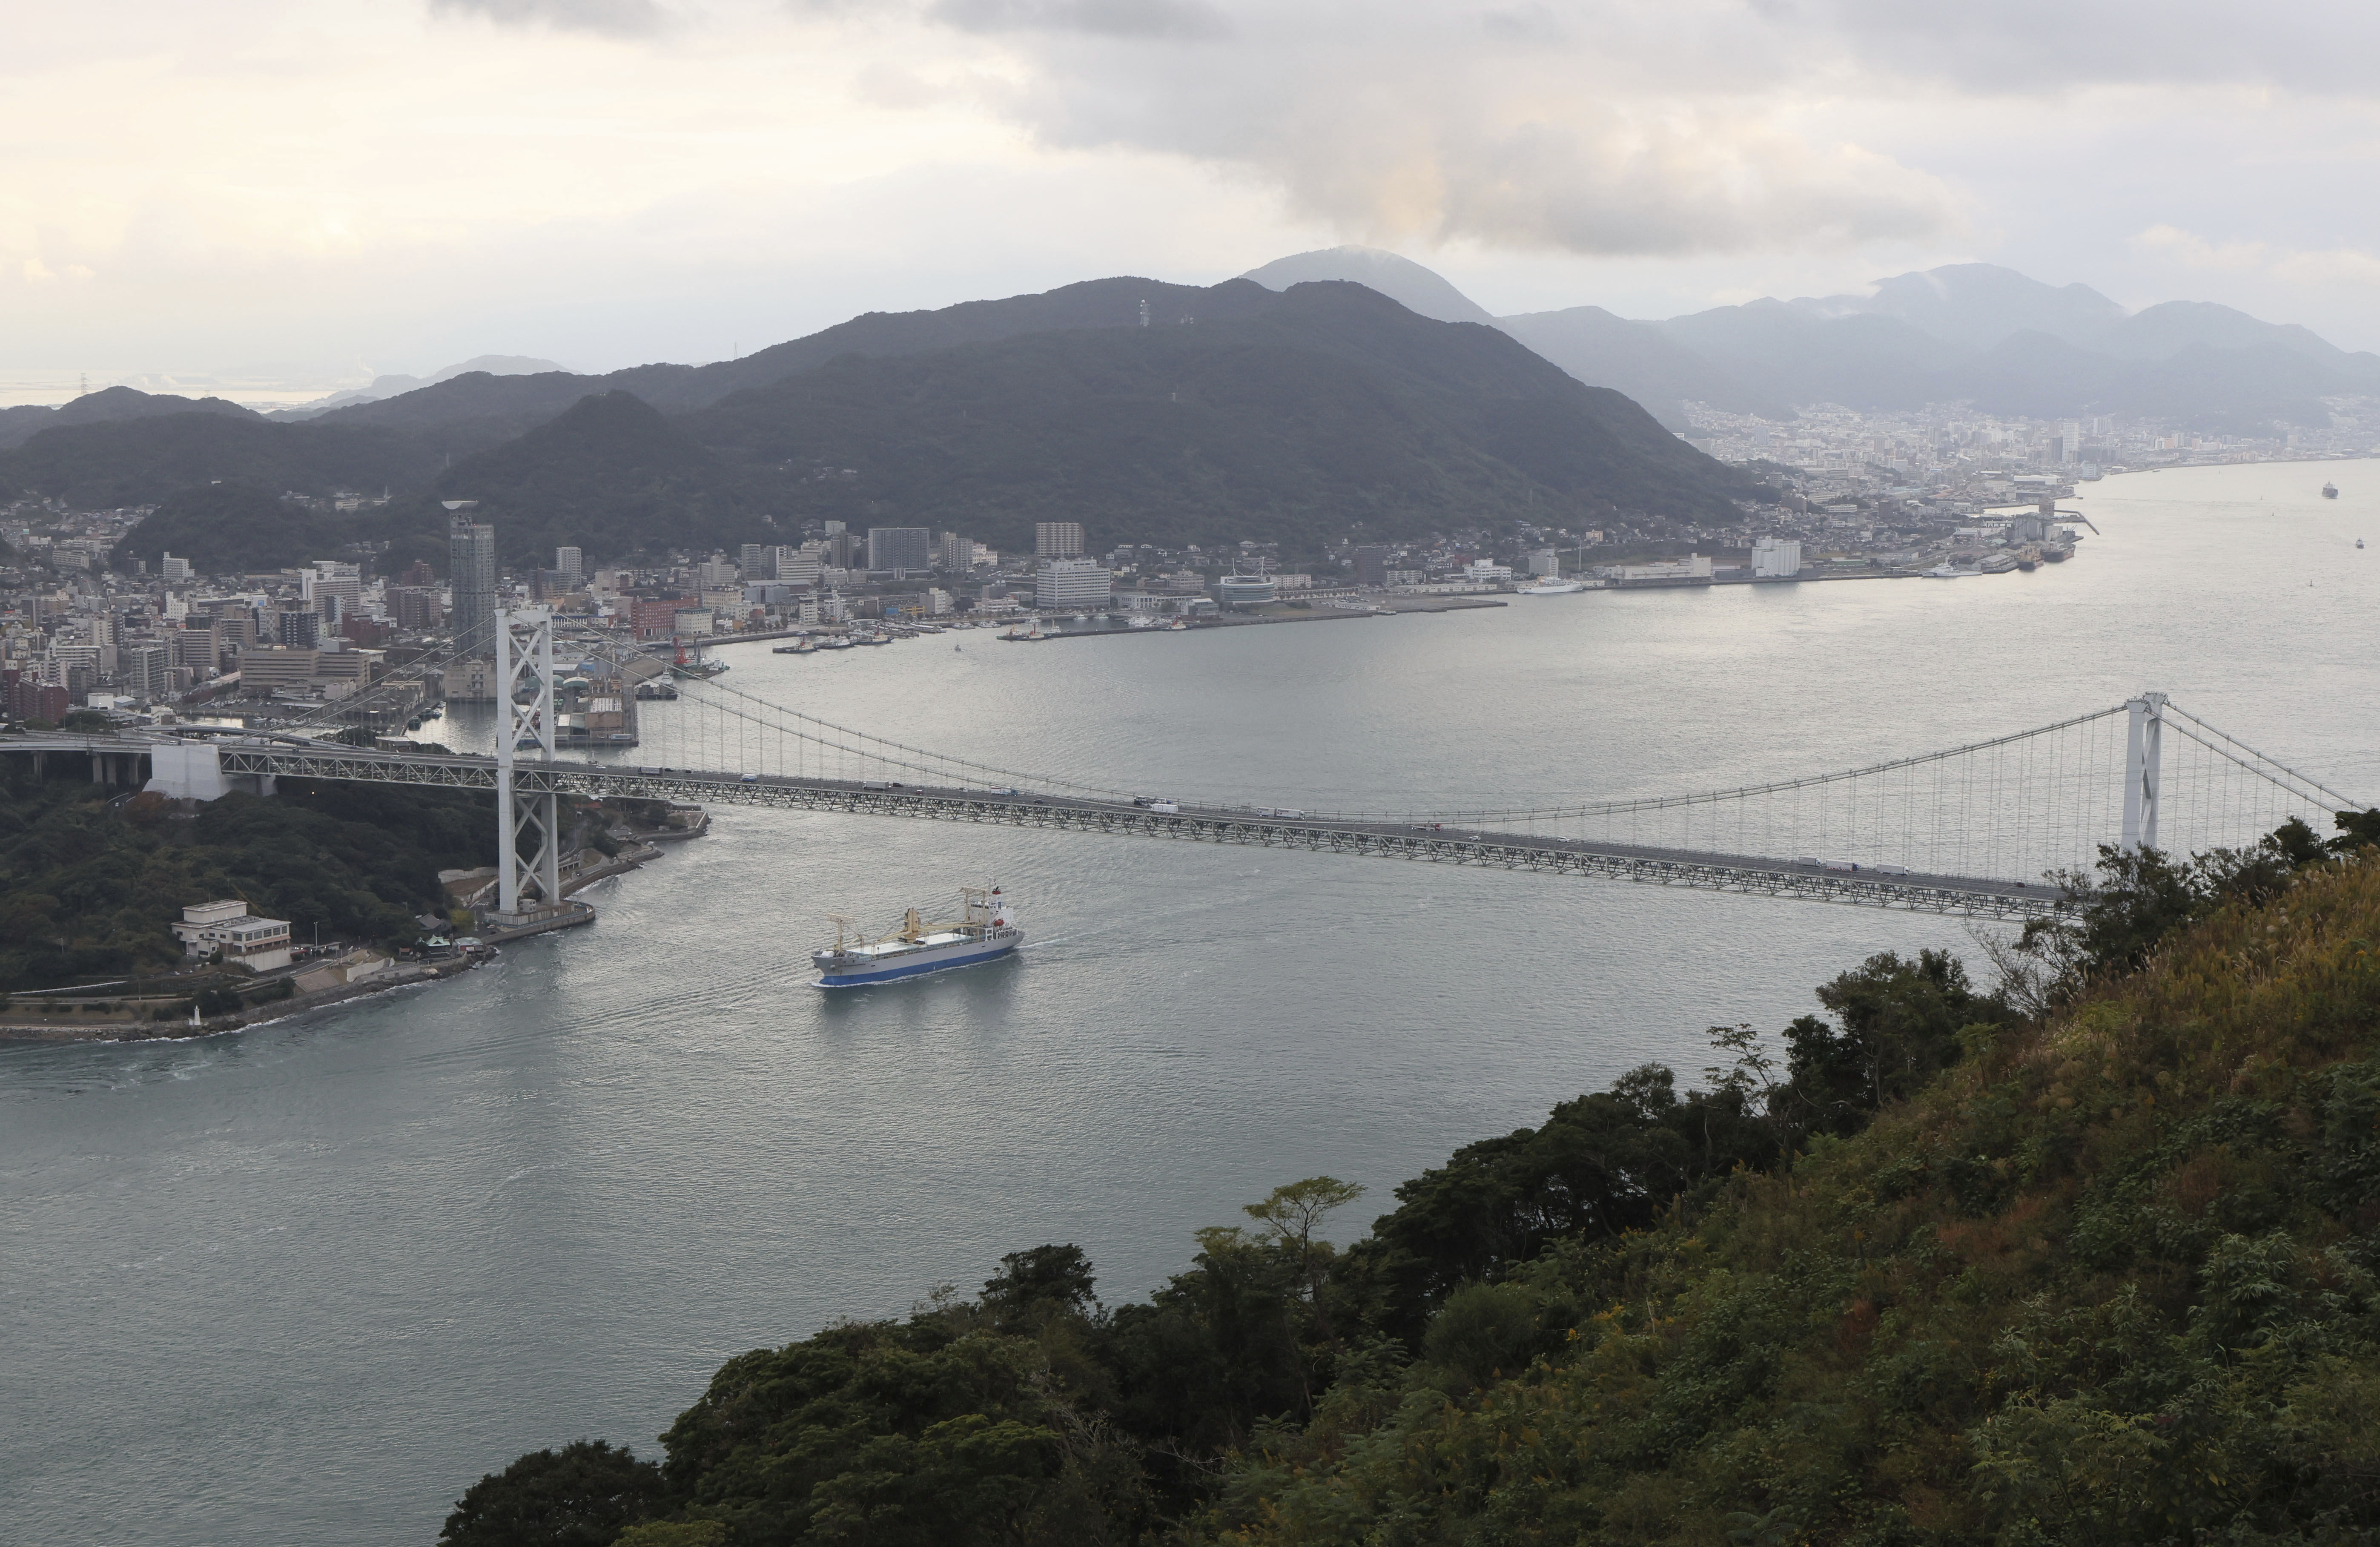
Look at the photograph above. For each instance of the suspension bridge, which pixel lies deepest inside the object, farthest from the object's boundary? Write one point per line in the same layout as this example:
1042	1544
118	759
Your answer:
1975	829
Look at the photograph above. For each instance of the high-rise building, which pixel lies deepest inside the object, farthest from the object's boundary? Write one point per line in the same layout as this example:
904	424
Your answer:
414	608
194	648
798	566
756	563
298	630
955	554
570	564
142	667
175	571
1063	583
328	579
1057	538
471	567
902	550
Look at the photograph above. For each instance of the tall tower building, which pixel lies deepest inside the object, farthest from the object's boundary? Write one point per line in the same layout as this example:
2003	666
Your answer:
1057	538
902	550
570	564
471	567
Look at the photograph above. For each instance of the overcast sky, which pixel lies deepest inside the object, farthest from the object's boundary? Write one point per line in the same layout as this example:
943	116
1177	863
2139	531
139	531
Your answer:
304	193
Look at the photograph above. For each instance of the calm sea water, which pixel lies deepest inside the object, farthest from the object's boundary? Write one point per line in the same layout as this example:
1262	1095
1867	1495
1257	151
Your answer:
306	1283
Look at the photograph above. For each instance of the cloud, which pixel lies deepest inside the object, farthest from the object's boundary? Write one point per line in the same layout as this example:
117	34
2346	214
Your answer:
2338	265
2314	267
1105	18
2194	251
614	17
2023	47
1517	127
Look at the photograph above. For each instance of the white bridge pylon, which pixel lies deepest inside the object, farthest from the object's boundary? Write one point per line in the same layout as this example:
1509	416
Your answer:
523	638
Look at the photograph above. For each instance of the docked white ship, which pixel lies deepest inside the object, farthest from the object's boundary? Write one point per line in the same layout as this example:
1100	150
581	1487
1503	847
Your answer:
985	930
1550	586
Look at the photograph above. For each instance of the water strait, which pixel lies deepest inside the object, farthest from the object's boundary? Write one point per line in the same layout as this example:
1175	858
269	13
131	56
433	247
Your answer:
308	1282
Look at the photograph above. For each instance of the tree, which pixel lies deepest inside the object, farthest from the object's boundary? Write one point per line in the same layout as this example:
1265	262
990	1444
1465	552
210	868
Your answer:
579	1496
1032	1287
1291	1215
1901	1024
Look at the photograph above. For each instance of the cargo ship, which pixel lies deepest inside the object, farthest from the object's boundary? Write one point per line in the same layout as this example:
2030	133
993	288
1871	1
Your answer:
985	930
2330	491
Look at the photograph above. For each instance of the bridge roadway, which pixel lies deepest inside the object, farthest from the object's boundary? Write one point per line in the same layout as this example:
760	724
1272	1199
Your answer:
1516	852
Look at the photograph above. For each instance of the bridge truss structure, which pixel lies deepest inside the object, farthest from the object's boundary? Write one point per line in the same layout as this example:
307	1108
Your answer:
1986	828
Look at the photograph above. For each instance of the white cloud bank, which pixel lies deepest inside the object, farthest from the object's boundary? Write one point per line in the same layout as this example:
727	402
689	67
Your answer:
394	184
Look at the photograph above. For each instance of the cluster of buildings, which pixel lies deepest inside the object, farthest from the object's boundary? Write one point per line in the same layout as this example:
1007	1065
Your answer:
1950	455
75	634
1848	492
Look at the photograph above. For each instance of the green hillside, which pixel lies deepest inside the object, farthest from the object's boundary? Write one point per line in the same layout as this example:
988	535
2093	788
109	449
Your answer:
88	886
610	475
1238	413
1945	1272
231	528
143	460
1331	407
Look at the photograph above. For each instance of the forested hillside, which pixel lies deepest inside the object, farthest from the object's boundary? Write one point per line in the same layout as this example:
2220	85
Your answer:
1236	413
2087	1258
89	885
143	460
1330	406
231	527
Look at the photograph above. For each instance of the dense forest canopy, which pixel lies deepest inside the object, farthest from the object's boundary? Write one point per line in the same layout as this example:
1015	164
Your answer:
230	529
89	885
142	461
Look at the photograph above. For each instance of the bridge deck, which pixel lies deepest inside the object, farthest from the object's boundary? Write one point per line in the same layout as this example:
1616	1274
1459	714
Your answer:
1519	851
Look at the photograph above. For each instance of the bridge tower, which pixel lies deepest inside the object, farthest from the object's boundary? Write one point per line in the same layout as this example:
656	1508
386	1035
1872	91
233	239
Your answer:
2143	783
525	668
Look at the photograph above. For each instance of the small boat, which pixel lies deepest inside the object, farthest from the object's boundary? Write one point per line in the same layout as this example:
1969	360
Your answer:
2329	491
985	930
1946	571
2359	542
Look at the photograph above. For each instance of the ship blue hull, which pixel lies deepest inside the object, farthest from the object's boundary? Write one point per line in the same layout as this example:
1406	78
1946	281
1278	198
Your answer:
912	969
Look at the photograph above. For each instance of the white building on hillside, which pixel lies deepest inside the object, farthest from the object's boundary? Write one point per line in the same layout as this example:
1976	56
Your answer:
260	943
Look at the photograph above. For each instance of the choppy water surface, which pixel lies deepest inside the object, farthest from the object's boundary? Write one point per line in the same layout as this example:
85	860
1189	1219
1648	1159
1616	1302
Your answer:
306	1283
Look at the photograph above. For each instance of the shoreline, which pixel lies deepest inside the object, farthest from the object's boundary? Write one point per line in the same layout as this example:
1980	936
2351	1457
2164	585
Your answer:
402	976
